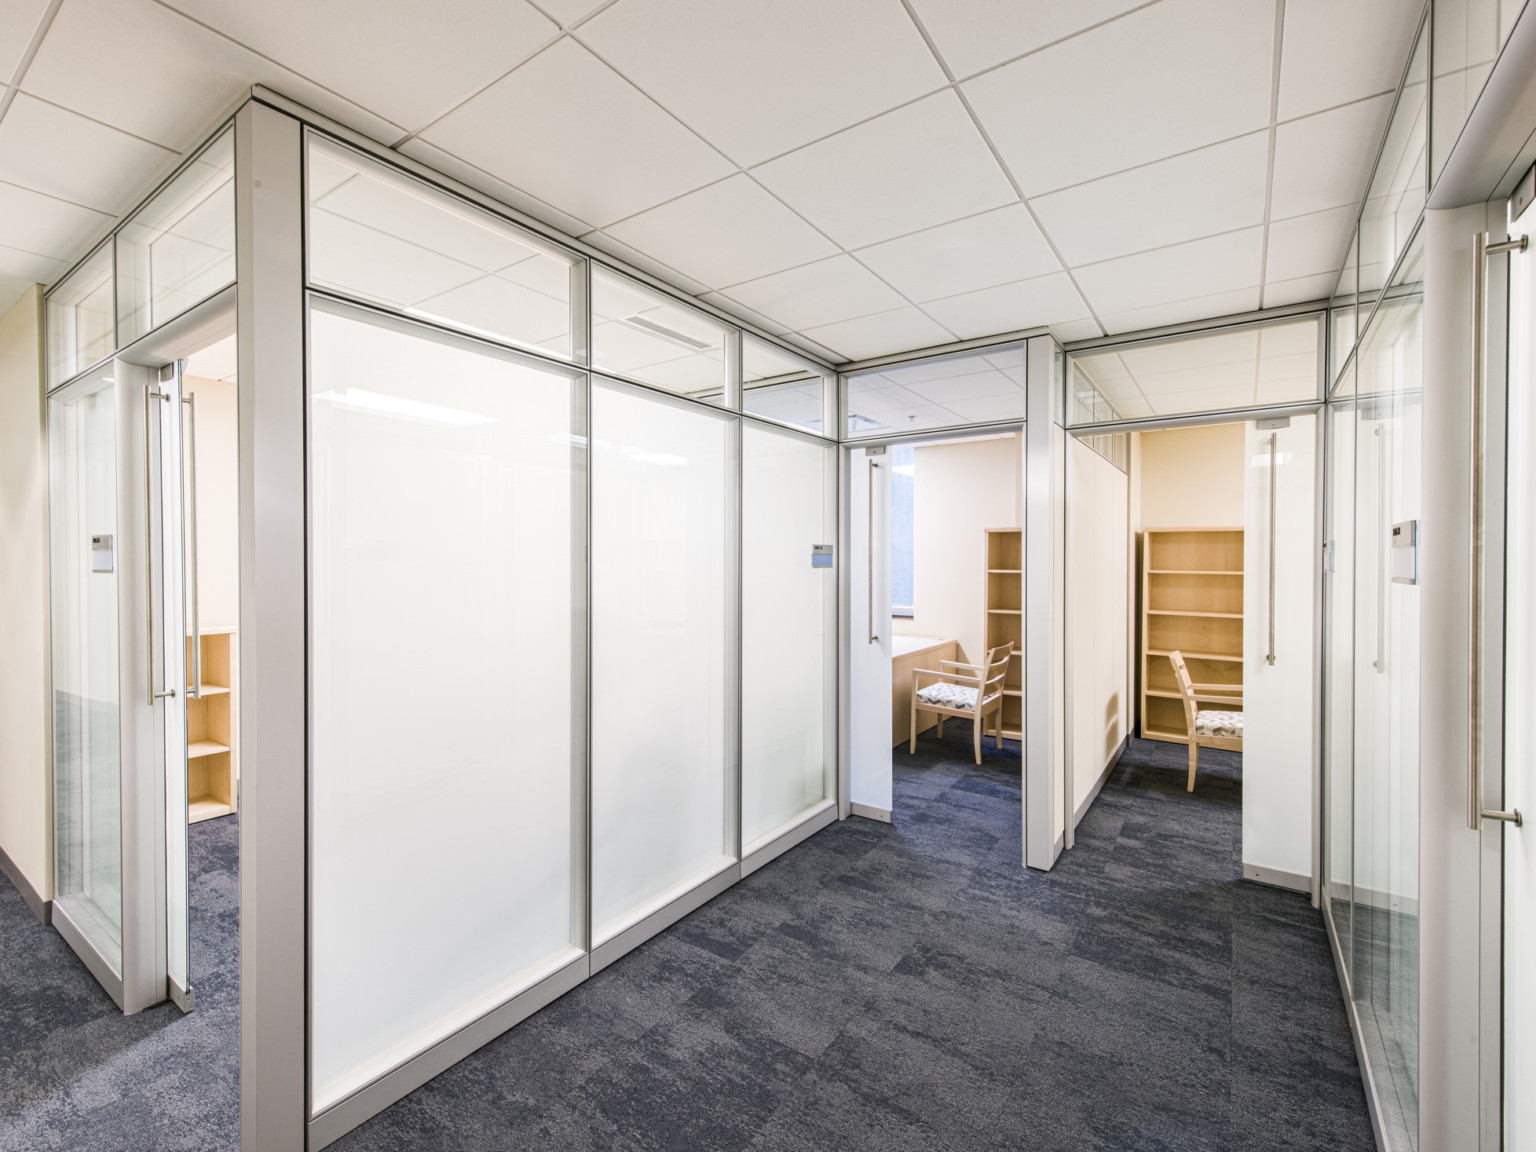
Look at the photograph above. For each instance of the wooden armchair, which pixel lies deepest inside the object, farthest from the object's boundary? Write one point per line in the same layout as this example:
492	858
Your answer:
1208	728
971	691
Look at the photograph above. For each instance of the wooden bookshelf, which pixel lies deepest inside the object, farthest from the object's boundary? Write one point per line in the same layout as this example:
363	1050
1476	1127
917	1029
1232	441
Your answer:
213	770
1192	602
1004	576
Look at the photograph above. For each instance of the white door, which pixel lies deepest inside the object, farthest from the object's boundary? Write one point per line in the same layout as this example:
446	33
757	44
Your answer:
1281	559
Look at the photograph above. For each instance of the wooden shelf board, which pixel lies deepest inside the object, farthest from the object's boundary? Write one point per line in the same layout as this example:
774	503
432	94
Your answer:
206	808
1013	692
1006	611
196	748
210	690
1005	571
1176	612
1194	572
1237	659
1169	694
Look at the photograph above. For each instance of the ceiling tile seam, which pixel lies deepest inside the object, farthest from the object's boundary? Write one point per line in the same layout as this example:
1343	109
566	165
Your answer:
103	124
39	34
559	35
1172	244
209	28
1269	170
991	288
595	11
997	156
1140	391
1060	40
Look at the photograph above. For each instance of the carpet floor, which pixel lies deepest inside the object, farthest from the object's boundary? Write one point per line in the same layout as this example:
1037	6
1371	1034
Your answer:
892	987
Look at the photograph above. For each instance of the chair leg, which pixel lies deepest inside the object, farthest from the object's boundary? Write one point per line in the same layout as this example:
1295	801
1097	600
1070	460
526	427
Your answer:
941	725
976	726
1194	762
912	735
997	727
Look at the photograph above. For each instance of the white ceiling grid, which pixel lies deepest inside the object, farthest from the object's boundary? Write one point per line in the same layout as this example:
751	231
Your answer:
863	177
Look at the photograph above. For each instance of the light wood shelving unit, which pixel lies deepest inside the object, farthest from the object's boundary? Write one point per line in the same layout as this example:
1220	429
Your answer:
1004	599
213	769
1192	602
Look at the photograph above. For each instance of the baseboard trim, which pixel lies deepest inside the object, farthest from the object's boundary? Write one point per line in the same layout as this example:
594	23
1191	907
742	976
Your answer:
1276	878
1093	793
869	813
1351	1011
42	909
783	842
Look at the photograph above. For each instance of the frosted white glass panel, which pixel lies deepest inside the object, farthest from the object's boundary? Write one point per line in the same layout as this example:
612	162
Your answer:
179	249
445	735
81	329
382	236
87	775
648	337
976	388
660	579
788	632
778	386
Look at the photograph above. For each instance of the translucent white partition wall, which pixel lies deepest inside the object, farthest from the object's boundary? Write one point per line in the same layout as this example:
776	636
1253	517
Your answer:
81	321
974	388
788	632
663	590
446	757
87	765
180	247
780	387
1338	660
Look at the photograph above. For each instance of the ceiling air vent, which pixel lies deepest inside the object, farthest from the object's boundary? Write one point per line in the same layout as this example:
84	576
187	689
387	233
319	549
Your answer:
665	333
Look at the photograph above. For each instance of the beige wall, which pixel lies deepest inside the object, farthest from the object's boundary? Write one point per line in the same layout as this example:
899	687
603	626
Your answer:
961	489
25	819
1192	477
218	503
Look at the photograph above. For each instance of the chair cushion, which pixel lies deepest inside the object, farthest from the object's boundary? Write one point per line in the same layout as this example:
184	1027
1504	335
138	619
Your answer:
947	695
1219	724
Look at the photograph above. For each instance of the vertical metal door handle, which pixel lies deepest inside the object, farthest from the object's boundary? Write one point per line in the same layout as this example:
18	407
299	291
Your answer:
874	637
150	393
1476	813
1274	481
189	442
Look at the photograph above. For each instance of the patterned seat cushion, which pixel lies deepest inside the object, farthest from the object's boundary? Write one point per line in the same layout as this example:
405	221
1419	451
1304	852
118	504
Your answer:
947	695
1219	724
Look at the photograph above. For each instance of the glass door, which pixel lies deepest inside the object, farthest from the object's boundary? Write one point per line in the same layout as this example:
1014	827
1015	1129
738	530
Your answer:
119	705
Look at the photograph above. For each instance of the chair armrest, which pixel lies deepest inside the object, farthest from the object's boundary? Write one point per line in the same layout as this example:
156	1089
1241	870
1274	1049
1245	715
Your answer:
1220	699
951	677
955	664
1230	689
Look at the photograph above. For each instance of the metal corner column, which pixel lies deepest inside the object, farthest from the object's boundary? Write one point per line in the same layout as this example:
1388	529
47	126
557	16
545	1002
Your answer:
1043	649
269	215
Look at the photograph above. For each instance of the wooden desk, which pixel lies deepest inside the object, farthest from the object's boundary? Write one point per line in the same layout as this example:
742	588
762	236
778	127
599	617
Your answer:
908	653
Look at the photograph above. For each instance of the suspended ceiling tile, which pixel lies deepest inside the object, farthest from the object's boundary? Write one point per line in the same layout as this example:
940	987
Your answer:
9	297
1301	335
995	247
1043	300
1201	193
76	159
1182	311
757	80
569	12
1298	291
1220	350
909	169
399	272
568	129
1167	78
47	226
1069	330
18	24
1320	160
1334	53
725	233
641	260
93	62
1309	245
976	34
408	61
899	330
736	308
29	267
820	351
1212	400
1275	369
481	181
1205	267
825	292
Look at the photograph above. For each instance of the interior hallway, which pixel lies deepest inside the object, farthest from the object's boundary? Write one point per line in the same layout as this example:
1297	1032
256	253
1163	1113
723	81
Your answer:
910	987
77	1074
